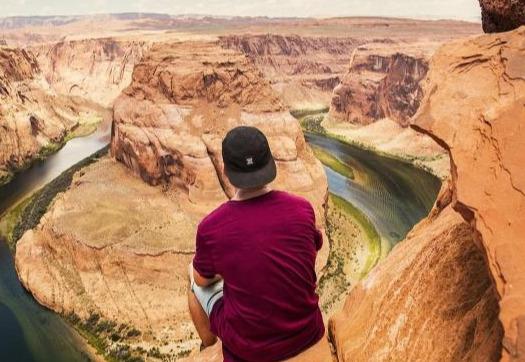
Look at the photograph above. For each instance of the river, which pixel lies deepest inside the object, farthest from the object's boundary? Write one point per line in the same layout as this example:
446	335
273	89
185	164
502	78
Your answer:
28	331
393	194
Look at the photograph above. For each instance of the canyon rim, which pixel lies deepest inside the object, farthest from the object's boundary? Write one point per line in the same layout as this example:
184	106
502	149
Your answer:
110	251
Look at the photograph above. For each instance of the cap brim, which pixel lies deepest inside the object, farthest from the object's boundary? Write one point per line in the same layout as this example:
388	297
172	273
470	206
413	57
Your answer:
248	180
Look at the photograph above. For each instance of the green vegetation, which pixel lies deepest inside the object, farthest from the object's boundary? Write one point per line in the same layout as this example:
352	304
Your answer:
5	177
303	112
355	247
87	124
26	214
312	123
108	338
374	239
48	150
11	218
333	162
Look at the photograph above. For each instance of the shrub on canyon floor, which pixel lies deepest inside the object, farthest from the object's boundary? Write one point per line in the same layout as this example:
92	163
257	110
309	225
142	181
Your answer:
108	338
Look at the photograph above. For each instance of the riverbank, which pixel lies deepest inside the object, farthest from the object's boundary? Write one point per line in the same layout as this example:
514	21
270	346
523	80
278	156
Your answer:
102	340
392	190
26	214
87	124
384	137
355	248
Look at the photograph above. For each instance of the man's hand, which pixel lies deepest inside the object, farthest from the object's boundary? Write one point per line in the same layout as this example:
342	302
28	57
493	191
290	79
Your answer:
202	281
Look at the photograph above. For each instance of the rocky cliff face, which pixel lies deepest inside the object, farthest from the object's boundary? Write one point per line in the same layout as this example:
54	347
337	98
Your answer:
169	123
119	248
436	296
94	69
33	118
302	69
502	15
383	82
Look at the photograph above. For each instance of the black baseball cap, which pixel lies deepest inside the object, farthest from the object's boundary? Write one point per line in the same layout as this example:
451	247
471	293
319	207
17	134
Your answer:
248	160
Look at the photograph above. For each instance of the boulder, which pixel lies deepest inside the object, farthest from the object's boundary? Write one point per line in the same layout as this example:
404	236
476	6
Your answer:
502	15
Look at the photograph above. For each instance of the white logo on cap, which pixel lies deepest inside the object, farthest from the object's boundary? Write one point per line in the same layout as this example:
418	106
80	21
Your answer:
249	161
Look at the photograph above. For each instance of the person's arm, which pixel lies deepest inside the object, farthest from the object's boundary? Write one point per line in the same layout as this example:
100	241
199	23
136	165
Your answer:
203	281
204	272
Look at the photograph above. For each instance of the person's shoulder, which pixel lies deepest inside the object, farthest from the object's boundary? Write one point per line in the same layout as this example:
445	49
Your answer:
213	218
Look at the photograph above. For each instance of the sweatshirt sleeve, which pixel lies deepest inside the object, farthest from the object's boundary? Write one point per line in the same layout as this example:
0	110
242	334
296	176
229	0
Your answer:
202	261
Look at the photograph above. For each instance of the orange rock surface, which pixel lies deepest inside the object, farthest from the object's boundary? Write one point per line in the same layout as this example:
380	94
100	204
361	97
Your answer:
435	298
483	81
33	117
117	247
169	123
94	69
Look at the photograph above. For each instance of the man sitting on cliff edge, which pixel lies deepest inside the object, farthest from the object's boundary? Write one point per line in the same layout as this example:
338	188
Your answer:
252	278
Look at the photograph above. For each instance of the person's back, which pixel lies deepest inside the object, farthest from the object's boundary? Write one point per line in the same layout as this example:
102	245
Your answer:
264	248
253	276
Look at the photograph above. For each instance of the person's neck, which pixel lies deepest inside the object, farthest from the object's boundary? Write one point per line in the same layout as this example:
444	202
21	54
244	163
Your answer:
246	194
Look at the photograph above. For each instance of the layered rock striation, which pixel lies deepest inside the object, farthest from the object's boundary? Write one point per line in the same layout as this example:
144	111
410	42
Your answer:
34	120
169	123
454	289
483	79
116	247
95	69
303	70
115	250
383	82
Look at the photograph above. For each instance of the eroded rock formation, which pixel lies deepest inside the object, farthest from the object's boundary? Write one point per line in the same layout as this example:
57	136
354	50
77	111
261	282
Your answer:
117	247
484	81
170	121
33	118
436	296
502	15
94	69
303	70
383	82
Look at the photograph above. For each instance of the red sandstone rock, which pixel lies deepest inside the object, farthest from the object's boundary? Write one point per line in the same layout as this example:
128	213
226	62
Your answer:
32	117
94	69
483	81
435	297
302	69
383	82
170	121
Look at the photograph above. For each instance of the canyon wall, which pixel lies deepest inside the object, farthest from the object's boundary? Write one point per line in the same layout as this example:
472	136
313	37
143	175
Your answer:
119	248
34	120
383	82
169	123
436	296
94	69
303	70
